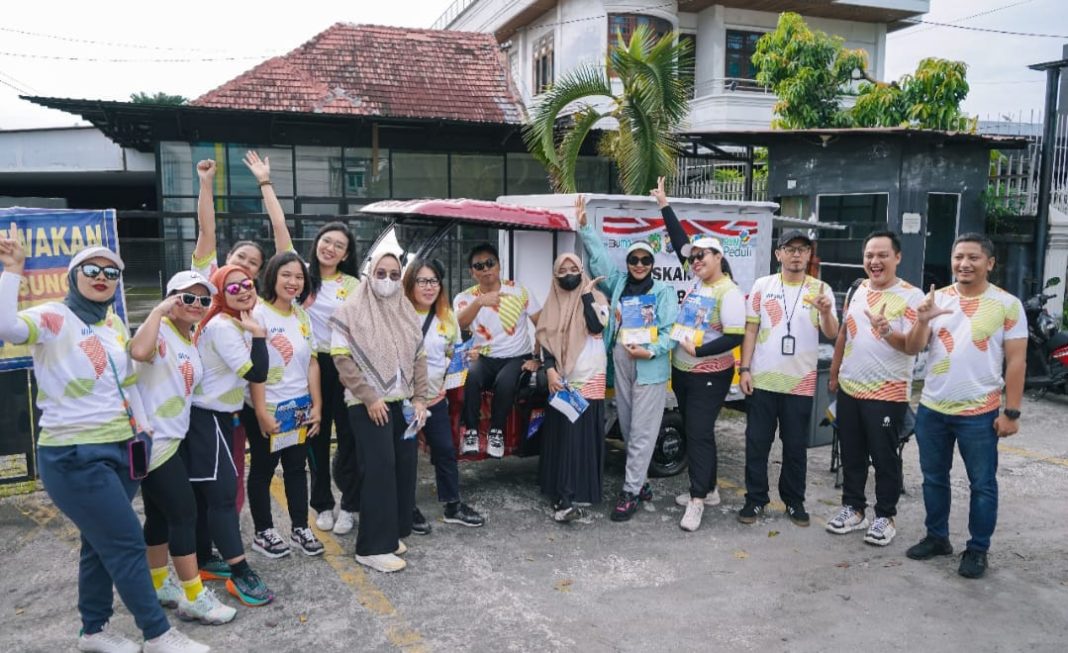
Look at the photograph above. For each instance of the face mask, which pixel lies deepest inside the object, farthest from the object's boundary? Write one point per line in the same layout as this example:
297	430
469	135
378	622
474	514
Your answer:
385	288
569	281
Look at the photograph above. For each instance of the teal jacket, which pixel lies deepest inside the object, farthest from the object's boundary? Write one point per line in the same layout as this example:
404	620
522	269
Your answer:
658	368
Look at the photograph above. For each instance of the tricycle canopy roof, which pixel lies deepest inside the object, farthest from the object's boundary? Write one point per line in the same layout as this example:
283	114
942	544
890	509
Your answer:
503	216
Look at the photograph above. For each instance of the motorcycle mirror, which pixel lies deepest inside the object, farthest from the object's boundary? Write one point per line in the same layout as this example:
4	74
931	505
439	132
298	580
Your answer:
1053	282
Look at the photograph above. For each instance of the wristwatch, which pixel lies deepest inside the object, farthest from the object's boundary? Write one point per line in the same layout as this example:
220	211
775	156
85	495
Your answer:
1012	414
743	370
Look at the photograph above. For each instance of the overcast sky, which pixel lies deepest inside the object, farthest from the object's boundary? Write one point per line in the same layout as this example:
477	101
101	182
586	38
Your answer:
194	31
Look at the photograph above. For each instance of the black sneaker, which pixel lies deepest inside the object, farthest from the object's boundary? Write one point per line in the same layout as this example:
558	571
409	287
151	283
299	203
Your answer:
462	514
420	526
798	515
750	512
645	494
626	506
930	547
306	541
972	563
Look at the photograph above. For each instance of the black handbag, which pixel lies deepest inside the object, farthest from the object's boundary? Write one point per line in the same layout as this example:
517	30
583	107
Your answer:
532	389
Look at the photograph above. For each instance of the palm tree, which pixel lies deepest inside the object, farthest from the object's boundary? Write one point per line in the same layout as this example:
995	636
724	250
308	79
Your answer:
653	102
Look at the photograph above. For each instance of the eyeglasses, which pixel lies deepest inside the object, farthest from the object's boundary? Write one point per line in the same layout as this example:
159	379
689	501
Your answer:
395	275
92	271
336	245
488	264
189	299
697	256
792	251
640	260
236	288
427	282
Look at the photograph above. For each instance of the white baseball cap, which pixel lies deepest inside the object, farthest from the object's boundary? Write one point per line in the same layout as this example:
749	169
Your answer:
641	245
704	242
187	279
94	252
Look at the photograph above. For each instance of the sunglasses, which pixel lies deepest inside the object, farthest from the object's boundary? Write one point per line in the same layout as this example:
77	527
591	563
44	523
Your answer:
427	282
697	256
394	275
488	264
189	299
640	260
237	288
92	271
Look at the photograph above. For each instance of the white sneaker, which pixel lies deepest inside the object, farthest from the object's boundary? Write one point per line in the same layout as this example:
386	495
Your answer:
691	521
324	521
170	593
402	548
495	443
384	562
206	608
711	499
173	641
846	521
470	443
345	522
882	532
106	641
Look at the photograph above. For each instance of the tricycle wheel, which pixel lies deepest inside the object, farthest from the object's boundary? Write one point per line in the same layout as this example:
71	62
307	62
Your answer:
669	456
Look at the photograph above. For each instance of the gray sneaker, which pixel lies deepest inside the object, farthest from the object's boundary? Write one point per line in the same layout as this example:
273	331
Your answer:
882	532
846	521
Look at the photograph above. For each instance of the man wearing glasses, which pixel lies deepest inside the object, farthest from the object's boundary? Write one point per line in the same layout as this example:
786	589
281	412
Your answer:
498	315
784	314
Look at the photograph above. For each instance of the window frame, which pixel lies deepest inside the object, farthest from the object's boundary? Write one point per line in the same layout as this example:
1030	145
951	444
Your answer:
741	83
543	57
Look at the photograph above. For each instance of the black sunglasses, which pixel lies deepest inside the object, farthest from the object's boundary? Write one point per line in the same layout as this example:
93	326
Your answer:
488	264
697	256
640	260
92	271
189	299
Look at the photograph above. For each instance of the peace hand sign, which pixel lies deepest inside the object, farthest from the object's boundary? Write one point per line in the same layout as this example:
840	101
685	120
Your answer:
580	211
928	309
658	193
12	255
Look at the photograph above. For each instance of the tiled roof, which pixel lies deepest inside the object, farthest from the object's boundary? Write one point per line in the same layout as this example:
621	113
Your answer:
368	70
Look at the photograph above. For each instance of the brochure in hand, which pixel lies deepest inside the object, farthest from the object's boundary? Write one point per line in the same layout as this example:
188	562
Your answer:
569	403
637	323
292	416
456	374
694	317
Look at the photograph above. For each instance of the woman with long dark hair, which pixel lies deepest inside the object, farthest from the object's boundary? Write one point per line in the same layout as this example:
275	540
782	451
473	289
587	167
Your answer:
87	454
441	334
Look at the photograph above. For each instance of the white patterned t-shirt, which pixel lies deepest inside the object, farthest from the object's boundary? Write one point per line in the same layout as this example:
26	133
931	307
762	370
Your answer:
166	384
502	331
290	347
225	351
321	308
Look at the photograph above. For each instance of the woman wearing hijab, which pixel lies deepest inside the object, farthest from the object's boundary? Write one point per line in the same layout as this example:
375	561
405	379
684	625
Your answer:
569	332
377	345
87	394
640	370
233	349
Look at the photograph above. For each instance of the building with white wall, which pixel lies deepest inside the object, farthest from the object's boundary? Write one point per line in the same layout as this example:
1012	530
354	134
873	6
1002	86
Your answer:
544	39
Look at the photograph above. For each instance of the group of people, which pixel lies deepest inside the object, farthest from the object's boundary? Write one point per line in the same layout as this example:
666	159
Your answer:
277	354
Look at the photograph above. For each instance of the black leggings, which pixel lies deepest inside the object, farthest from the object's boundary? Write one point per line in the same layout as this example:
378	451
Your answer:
499	375
216	499
700	397
335	416
170	508
261	470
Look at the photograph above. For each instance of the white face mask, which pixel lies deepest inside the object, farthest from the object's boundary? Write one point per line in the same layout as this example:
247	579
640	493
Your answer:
385	288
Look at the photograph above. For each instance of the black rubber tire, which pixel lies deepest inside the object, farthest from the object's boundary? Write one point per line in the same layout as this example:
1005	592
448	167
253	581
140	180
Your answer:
669	456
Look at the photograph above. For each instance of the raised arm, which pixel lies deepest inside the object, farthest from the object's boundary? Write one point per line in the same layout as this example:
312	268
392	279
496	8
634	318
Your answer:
920	333
671	222
261	170
600	265
13	258
143	344
205	248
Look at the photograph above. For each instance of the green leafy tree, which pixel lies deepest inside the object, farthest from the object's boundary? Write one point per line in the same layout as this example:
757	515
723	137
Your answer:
811	72
157	98
652	102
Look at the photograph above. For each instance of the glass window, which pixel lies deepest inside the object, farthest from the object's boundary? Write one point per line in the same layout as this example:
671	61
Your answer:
686	72
253	204
741	46
543	63
478	176
320	208
419	175
243	183
178	162
591	174
526	176
179	204
842	252
320	171
366	172
625	24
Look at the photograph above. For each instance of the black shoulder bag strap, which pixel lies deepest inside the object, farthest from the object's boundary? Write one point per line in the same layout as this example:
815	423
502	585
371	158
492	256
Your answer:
427	321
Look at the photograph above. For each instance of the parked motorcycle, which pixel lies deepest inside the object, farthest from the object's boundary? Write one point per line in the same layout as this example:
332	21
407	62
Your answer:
1047	346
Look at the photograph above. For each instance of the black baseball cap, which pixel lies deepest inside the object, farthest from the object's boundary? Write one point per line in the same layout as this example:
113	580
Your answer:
794	234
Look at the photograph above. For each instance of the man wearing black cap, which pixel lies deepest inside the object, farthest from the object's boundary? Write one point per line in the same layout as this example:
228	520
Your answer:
784	314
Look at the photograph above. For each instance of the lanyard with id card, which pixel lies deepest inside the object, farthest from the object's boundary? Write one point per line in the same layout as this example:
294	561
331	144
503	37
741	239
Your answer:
789	342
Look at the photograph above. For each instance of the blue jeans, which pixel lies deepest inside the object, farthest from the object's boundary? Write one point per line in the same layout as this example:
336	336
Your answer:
438	433
978	443
91	484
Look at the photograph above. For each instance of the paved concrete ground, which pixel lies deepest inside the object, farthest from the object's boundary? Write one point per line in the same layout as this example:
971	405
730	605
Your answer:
524	583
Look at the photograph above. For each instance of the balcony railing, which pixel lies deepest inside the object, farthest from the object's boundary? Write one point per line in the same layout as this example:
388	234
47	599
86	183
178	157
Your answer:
719	86
450	14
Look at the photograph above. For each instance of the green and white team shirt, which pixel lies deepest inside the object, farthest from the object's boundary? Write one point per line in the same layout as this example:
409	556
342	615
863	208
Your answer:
780	310
290	347
728	318
206	266
225	354
502	331
321	308
166	385
438	344
77	391
871	368
967	350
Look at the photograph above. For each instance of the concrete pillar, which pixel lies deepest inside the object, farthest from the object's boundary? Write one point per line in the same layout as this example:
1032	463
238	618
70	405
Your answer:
708	71
1057	259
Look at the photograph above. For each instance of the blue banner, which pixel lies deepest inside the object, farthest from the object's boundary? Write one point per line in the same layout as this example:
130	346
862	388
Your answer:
51	237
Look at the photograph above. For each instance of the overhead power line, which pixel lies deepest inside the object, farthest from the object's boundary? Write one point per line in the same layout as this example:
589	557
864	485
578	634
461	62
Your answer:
110	44
987	30
962	18
57	57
